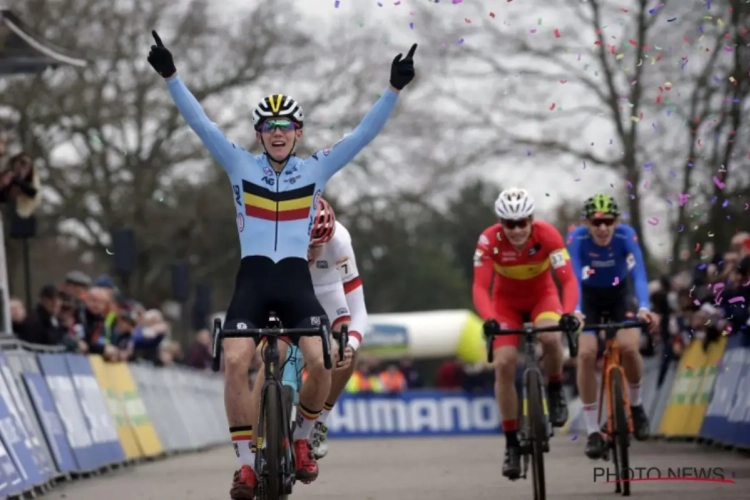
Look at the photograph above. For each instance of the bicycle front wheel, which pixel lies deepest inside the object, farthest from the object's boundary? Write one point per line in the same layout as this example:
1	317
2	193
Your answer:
537	433
621	439
274	443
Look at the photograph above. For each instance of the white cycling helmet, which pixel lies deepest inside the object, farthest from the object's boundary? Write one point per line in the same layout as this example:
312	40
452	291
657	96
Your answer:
278	106
514	204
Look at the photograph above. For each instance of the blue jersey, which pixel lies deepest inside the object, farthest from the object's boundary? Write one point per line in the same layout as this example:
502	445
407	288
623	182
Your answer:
274	216
600	267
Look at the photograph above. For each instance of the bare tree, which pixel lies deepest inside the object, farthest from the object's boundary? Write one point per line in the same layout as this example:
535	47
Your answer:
113	149
599	83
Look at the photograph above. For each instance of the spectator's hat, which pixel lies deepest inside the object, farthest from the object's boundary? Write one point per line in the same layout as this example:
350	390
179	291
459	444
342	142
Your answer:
128	315
78	278
104	281
48	292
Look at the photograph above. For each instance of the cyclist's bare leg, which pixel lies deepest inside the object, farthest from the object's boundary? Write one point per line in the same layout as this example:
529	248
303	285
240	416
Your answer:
552	347
588	346
315	389
630	356
505	362
339	378
258	384
632	363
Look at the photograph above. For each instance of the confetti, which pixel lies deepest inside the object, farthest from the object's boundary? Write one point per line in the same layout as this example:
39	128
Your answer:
557	33
718	183
734	300
575	436
616	282
653	221
336	4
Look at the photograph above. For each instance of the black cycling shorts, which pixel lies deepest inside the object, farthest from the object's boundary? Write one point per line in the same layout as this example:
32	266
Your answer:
615	304
284	287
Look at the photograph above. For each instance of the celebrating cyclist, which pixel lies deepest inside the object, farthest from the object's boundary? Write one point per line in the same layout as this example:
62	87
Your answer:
518	253
273	195
604	253
339	289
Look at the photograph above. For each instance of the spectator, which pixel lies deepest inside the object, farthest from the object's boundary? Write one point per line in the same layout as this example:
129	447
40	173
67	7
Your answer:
20	184
43	326
146	339
740	243
450	375
411	374
126	323
18	318
75	287
391	379
92	328
199	354
736	298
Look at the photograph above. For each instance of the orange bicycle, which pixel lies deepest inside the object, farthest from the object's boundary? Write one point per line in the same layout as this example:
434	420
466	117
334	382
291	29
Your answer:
619	423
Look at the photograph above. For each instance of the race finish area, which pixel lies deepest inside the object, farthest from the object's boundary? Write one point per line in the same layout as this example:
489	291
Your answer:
466	468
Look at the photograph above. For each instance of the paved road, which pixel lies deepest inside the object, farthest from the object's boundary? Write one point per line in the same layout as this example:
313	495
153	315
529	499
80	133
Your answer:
425	469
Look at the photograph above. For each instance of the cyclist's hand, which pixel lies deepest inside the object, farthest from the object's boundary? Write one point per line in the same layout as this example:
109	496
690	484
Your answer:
402	70
569	323
347	361
581	318
160	58
651	318
490	327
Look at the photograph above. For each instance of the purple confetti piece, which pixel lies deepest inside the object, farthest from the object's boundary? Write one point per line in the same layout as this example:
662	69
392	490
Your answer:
457	1
411	26
460	41
684	198
336	4
708	5
725	204
648	165
670	20
718	183
736	299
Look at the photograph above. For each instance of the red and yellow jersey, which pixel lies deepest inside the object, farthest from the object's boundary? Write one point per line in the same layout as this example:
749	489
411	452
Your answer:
521	276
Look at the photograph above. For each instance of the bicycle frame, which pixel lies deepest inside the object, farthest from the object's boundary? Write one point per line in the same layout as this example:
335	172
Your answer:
611	362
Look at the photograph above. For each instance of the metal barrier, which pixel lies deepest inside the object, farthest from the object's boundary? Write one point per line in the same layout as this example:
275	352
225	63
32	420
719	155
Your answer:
64	415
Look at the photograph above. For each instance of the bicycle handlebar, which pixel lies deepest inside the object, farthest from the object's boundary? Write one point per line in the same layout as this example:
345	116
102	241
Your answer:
530	331
642	325
257	333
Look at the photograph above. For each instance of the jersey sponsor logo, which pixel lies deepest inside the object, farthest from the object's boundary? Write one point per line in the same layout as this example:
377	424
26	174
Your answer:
240	222
292	180
267	171
630	261
237	193
478	258
603	263
326	151
262	203
586	272
291	171
535	249
342	311
321	264
558	258
499	236
269	180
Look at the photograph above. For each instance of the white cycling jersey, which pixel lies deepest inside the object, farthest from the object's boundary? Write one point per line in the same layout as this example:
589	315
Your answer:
338	285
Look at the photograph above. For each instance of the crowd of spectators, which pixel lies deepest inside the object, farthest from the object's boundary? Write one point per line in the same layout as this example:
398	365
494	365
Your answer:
91	316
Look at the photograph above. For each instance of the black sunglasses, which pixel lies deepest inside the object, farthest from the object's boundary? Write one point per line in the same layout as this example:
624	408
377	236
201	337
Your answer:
598	222
512	224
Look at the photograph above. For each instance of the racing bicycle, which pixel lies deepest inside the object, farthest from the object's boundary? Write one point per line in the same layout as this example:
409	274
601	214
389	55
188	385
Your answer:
619	423
535	426
274	460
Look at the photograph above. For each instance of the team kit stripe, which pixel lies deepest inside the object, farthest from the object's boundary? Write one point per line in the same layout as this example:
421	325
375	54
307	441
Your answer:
352	284
522	271
266	204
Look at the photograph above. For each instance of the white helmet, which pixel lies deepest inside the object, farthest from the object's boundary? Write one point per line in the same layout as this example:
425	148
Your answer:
514	204
278	105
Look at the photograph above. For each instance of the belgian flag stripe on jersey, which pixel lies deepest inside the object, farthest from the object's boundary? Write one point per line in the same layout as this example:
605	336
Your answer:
263	203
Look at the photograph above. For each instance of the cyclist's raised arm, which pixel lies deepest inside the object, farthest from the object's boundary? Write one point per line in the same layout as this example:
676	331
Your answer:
483	274
215	141
574	252
559	259
333	160
637	267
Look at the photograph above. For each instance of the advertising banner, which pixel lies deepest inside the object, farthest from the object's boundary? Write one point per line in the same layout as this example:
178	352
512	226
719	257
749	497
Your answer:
138	417
52	426
63	392
686	383
417	413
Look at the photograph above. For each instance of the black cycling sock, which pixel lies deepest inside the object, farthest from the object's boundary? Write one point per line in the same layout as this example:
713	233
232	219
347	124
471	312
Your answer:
554	386
511	438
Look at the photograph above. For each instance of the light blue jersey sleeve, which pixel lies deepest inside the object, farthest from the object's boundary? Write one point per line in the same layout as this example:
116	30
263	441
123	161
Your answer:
574	251
214	139
351	144
640	280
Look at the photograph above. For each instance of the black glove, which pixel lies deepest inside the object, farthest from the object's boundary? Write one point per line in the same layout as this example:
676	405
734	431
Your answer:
160	58
402	70
491	327
569	323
